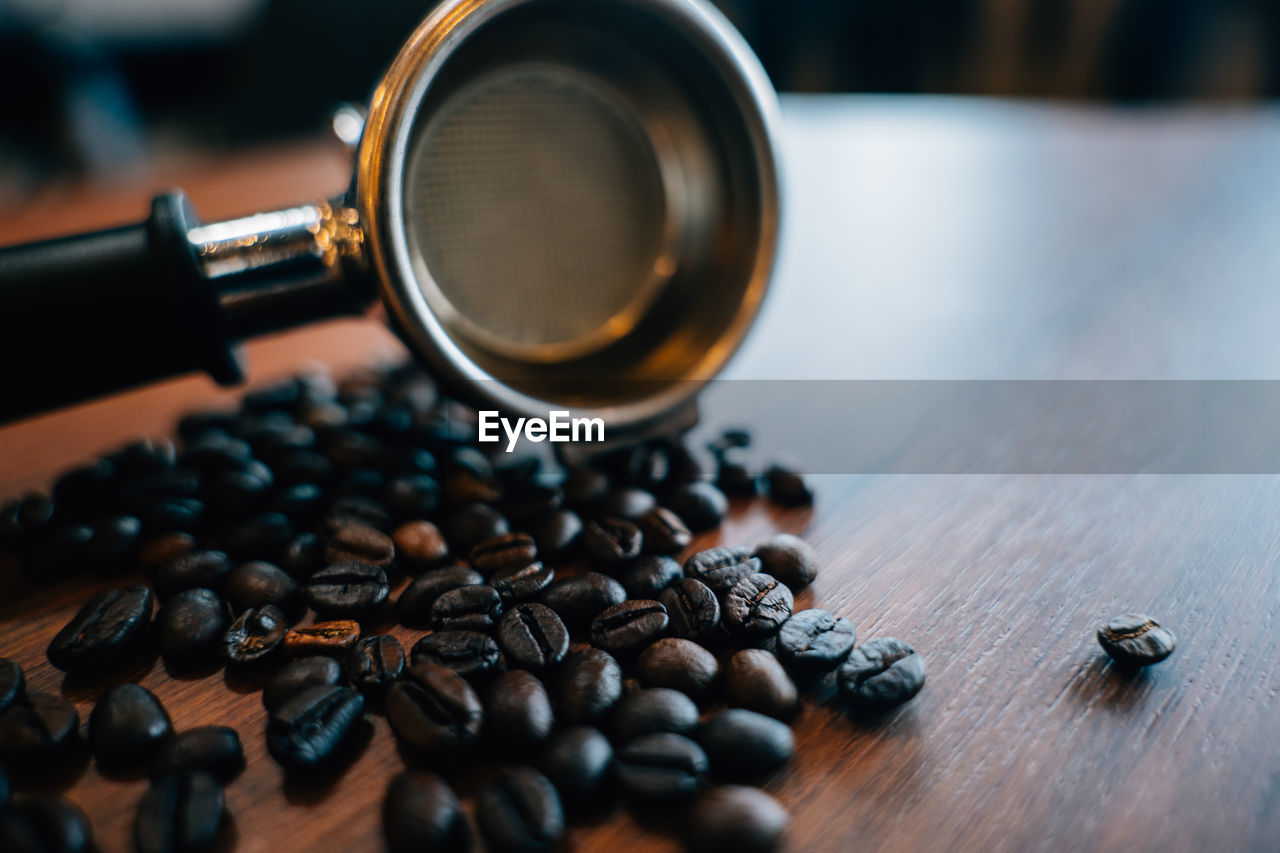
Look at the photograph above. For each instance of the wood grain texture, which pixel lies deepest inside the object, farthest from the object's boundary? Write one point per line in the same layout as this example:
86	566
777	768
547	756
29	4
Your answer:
930	239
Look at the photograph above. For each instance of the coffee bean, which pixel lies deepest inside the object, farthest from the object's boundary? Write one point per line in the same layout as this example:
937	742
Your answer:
172	514
350	588
1136	640
261	535
520	812
191	625
523	583
787	487
556	534
652	710
58	553
308	731
664	532
303	555
753	679
360	510
587	684
179	813
236	492
114	545
215	750
721	567
517	710
373	663
421	812
533	637
699	505
789	559
693	609
127	726
679	664
469	653
584	487
881	674
22	520
814	642
37	730
5	791
736	819
163	549
433	710
295	676
611	541
579	762
325	638
579	599
106	631
526	501
629	626
467	608
419	546
13	684
411	496
413	607
300	502
744	746
257	583
349	541
507	551
756	607
85	487
208	569
255	635
734	477
472	524
627	503
45	824
661	766
648	576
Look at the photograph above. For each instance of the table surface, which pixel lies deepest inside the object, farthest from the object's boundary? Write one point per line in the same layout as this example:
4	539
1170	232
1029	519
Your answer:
925	238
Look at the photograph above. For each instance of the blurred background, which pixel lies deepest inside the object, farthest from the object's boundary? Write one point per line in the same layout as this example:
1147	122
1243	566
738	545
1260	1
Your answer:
97	87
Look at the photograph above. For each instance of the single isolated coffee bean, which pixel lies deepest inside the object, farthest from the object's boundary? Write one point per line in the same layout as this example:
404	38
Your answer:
308	731
755	680
106	631
467	608
181	812
208	569
587	684
579	762
472	655
1136	640
721	567
322	638
881	674
744	746
736	819
374	663
434	711
664	532
533	637
518	710
127	726
258	583
421	812
524	583
756	607
579	599
813	642
45	824
611	541
297	675
419	546
13	684
350	588
628	627
692	608
413	607
520	812
661	766
700	505
255	635
787	487
37	730
215	750
652	710
648	576
789	559
679	664
191	625
353	542
504	551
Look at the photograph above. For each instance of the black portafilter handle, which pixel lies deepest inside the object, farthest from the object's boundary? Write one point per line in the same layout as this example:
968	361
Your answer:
90	314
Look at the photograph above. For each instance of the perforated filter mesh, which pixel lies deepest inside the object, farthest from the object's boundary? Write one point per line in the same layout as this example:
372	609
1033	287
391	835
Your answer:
536	201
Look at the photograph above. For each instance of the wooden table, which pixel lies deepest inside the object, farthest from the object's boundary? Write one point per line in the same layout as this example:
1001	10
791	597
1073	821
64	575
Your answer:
926	238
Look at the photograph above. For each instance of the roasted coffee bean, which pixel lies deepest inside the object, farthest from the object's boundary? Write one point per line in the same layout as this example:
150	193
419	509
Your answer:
467	608
520	812
814	642
651	710
736	819
753	679
744	746
527	500
692	608
45	824
789	559
295	676
421	812
517	710
579	599
349	541
255	635
556	534
507	551
756	607
262	535
700	505
85	487
180	813
664	532
324	638
310	729
629	626
58	553
258	583
626	503
172	514
215	750
34	731
611	541
584	487
349	588
472	524
163	549
787	487
22	520
469	653
374	663
433	710
114	545
350	448
5	790
680	664
648	576
881	674
533	637
419	546
208	569
191	626
522	583
127	726
411	496
1135	640
413	607
237	492
110	627
579	762
735	478
587	684
661	766
721	568
361	510
303	556
299	502
13	684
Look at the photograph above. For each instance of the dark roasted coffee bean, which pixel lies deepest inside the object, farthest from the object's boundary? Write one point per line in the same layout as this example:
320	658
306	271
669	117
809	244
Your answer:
469	653
45	824
85	487
556	534
361	510
13	684
744	746
587	684
419	546
421	812
579	599
629	626
236	492
5	790
584	488
721	568
36	730
692	608
648	576
787	487
114	545
735	478
517	710
263	535
323	638
255	635
661	766
348	541
258	583
522	583
472	524
789	559
1135	640
651	710
191	626
179	814
753	679
625	503
349	588
299	502
467	608
208	569
579	762
526	501
172	514
349	448
295	676
302	466
163	549
814	642
310	729
506	551
58	553
413	607
374	663
433	710
611	541
736	819
533	637
680	664
303	556
700	505
22	520
215	750
756	607
664	532
881	674
520	812
365	483
127	726
109	628
411	496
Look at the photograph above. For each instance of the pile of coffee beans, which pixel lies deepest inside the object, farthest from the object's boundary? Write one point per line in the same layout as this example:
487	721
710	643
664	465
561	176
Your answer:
572	651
